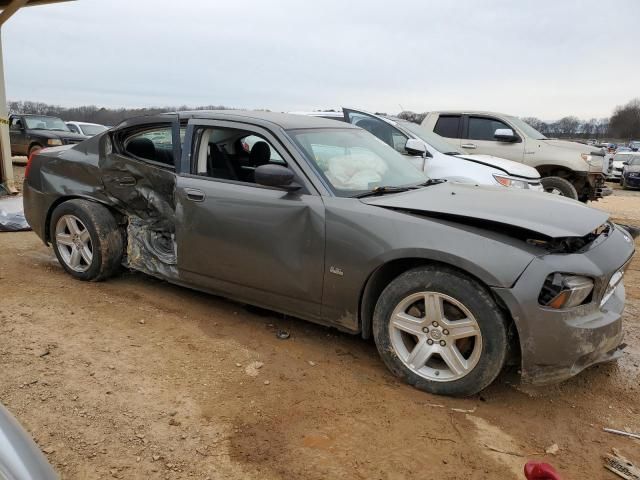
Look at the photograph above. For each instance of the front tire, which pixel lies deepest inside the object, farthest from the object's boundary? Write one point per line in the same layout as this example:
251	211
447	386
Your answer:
440	331
559	186
87	240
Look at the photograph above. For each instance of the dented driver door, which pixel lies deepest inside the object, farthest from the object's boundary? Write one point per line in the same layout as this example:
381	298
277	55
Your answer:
249	242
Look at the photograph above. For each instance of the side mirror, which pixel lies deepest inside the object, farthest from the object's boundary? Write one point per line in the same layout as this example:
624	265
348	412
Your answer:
278	176
505	135
415	147
625	163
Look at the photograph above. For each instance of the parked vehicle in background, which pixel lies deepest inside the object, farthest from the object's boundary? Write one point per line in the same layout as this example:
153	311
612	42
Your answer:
451	280
630	177
618	161
634	145
86	129
621	149
30	133
20	457
437	157
571	169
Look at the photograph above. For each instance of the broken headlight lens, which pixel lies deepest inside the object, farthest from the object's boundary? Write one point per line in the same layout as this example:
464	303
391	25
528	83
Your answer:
511	182
565	291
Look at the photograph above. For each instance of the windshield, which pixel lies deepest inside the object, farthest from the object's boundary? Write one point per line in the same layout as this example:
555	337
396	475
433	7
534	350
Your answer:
354	161
528	130
92	130
46	123
434	140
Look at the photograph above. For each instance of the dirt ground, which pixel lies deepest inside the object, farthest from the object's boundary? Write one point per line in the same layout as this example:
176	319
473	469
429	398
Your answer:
136	378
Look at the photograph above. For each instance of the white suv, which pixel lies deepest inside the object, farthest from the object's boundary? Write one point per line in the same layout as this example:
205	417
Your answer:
571	169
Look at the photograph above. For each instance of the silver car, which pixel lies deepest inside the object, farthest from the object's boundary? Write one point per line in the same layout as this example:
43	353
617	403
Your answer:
452	280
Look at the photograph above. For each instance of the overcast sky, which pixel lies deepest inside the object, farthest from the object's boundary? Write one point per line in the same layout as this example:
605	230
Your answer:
541	58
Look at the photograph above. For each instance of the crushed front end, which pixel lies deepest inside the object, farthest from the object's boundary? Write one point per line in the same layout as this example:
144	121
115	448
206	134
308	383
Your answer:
567	305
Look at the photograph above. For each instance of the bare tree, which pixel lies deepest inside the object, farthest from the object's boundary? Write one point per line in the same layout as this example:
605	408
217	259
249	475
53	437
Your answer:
568	126
94	114
625	121
412	116
536	123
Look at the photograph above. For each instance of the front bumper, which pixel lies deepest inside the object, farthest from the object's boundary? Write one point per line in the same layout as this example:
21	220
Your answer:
558	344
633	182
615	174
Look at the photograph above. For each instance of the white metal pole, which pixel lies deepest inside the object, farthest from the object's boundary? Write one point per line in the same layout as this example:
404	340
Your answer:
6	165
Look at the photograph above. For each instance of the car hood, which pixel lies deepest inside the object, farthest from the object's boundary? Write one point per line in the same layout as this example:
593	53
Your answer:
632	168
549	215
575	146
509	166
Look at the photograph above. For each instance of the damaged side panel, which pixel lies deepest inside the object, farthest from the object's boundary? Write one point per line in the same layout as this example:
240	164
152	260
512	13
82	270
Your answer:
145	194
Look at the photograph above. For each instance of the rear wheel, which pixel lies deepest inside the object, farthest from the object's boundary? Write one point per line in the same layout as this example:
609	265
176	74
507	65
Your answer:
559	186
87	240
440	331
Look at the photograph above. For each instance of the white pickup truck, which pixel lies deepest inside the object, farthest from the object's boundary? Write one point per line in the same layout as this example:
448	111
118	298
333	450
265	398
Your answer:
437	157
567	168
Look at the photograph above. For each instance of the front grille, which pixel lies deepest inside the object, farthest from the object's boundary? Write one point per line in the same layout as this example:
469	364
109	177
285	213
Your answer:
70	141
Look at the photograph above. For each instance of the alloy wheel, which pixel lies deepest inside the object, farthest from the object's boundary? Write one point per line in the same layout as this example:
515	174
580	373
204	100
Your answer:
435	336
73	242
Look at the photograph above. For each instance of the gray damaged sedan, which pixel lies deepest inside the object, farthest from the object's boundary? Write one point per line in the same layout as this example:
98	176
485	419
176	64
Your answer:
327	223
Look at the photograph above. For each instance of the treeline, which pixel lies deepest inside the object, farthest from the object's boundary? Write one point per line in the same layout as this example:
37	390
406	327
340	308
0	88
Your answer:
94	114
623	124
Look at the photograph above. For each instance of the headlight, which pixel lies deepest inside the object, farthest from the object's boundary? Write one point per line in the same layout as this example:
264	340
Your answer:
594	161
54	141
510	182
565	291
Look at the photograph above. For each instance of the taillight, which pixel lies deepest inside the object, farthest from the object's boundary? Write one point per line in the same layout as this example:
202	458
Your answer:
28	167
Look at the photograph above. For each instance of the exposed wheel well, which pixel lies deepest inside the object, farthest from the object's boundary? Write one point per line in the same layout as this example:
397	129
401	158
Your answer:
47	233
33	144
555	171
384	274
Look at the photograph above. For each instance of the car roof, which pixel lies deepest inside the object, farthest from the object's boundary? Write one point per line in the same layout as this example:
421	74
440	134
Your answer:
471	112
287	121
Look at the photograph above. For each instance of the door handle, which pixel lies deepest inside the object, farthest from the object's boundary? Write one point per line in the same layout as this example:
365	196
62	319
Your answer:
194	194
126	181
468	145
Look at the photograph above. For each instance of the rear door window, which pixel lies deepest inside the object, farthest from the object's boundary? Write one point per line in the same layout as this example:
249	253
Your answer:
448	126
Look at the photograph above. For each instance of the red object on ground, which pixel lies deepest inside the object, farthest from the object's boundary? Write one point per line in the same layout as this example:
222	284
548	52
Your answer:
540	471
